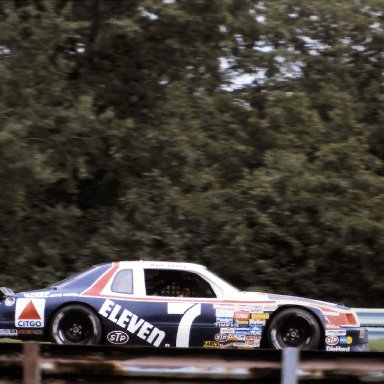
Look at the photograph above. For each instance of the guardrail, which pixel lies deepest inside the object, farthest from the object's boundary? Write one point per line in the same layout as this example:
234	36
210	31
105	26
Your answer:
373	319
34	363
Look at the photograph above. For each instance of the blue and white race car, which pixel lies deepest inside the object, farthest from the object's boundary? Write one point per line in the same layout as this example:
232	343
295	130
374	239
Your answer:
171	304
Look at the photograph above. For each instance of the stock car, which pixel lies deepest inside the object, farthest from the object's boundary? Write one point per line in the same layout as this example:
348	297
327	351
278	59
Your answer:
171	304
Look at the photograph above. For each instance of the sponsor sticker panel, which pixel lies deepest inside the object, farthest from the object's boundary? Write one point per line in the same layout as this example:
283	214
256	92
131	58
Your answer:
8	332
240	326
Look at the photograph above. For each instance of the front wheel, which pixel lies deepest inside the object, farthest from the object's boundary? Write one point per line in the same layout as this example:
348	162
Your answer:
75	324
294	327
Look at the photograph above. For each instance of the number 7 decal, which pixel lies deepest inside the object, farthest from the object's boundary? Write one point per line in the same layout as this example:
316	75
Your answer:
189	312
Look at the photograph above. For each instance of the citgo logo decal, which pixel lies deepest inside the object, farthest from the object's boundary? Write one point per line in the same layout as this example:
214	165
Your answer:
29	313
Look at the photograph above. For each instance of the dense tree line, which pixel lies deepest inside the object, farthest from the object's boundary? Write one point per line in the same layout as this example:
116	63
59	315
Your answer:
245	135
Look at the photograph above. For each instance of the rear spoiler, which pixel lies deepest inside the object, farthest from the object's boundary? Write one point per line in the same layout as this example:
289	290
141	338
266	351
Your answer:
5	292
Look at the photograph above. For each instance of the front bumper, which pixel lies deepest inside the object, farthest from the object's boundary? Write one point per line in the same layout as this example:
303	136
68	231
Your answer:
346	340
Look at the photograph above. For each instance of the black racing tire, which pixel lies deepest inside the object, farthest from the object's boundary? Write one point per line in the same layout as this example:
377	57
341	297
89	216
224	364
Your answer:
75	324
294	327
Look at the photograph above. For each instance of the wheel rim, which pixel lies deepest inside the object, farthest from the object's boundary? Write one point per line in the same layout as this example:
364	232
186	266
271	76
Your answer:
295	332
75	328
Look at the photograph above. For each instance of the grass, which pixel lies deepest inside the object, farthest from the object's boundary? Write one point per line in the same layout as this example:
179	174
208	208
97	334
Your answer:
5	340
376	345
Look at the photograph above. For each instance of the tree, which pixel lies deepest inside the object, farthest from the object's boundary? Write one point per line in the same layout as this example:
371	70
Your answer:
244	135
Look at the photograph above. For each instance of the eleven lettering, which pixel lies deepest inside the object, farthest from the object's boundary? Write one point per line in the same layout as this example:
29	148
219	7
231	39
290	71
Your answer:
131	322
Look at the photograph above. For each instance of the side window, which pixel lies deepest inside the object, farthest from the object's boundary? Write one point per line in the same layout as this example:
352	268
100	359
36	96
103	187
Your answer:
174	283
123	282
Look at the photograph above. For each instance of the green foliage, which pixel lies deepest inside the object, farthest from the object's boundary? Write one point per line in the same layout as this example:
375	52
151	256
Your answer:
124	136
376	345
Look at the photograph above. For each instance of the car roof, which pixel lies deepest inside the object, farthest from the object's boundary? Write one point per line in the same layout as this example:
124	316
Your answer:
161	265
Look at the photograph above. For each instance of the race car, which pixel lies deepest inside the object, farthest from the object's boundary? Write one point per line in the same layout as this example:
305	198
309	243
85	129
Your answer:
172	304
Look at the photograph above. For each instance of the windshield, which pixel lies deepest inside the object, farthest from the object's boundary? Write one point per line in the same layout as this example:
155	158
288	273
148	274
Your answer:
219	282
71	278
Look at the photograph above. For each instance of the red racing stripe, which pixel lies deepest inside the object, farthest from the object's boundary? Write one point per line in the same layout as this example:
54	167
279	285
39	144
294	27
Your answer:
96	288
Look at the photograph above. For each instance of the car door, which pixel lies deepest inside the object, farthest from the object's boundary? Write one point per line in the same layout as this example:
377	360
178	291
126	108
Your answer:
182	304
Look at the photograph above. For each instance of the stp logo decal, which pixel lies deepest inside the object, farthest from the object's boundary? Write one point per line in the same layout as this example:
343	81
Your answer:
332	340
221	337
29	313
117	337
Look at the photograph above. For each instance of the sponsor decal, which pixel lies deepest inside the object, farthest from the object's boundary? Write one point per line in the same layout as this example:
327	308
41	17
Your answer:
257	309
332	326
227	330
241	331
221	337
332	340
36	294
257	322
224	306
238	345
242	323
332	314
223	325
243	346
232	307
256	328
117	337
224	320
337	348
251	339
29	313
269	308
8	332
336	332
260	316
346	340
241	316
211	344
131	322
224	313
30	332
236	338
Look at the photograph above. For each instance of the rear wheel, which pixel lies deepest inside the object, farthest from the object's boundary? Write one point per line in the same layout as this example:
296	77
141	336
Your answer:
294	327
75	324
